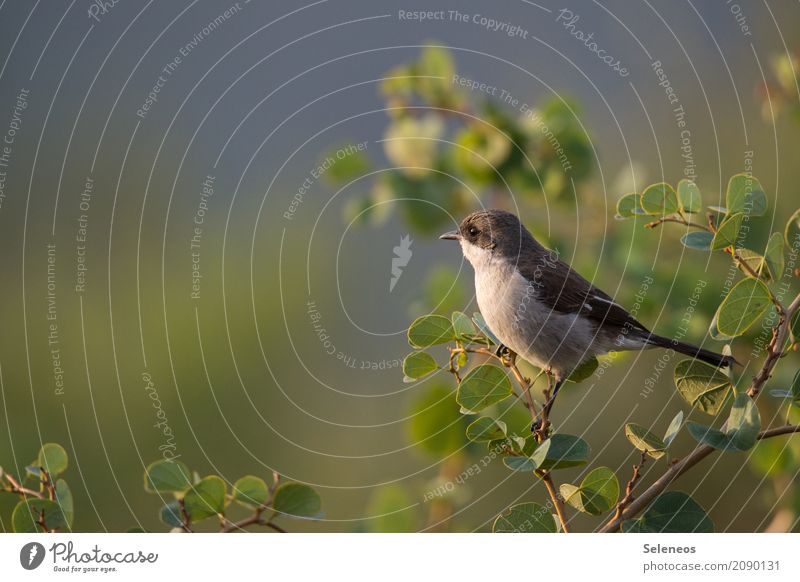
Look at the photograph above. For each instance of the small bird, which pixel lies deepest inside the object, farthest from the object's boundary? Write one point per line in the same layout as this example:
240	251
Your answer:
544	311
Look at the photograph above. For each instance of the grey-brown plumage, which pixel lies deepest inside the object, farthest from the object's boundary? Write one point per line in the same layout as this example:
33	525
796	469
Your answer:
543	310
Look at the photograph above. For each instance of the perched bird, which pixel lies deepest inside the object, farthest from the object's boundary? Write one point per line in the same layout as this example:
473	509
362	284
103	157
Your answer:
544	311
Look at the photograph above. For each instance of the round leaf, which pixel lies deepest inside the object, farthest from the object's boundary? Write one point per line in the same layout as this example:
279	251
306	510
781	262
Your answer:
660	199
65	501
297	500
743	306
561	451
525	518
699	240
644	440
583	371
170	514
674	428
671	512
522	464
745	194
462	324
430	330
206	498
689	196
28	516
250	491
418	364
774	255
702	385
728	232
628	205
53	458
486	429
483	386
166	477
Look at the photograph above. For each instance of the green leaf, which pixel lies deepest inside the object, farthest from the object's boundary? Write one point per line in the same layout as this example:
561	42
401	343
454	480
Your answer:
597	493
660	199
774	256
486	429
53	458
702	385
674	428
250	491
483	386
561	451
348	165
65	501
583	371
742	432
644	440
518	463
298	500
29	514
628	205
170	514
728	232
205	499
430	330
699	240
525	518
418	364
745	194
671	512
166	477
742	307
436	424
689	196
462	324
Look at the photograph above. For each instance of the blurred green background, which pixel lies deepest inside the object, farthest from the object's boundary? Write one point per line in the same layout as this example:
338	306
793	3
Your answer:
288	359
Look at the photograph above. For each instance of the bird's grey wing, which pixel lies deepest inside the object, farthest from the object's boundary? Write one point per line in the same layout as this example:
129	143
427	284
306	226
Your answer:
562	289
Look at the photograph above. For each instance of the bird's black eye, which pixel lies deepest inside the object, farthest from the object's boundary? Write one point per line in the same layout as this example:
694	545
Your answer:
473	231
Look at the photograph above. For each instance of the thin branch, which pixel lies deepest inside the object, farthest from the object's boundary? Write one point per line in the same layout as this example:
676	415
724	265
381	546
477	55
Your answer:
676	470
678	220
17	488
635	476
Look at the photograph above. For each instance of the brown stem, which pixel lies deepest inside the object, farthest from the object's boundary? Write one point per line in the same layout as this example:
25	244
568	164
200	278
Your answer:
16	487
556	499
676	219
677	469
635	476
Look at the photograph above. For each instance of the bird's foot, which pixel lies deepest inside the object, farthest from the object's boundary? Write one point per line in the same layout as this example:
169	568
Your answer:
507	357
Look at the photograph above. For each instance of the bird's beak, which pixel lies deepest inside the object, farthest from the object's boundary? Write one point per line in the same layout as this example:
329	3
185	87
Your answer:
452	235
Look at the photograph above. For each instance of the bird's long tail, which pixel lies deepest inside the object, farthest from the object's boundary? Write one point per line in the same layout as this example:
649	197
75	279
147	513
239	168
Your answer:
704	355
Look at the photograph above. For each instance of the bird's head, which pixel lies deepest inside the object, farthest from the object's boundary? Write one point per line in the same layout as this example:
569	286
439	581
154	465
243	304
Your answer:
491	233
